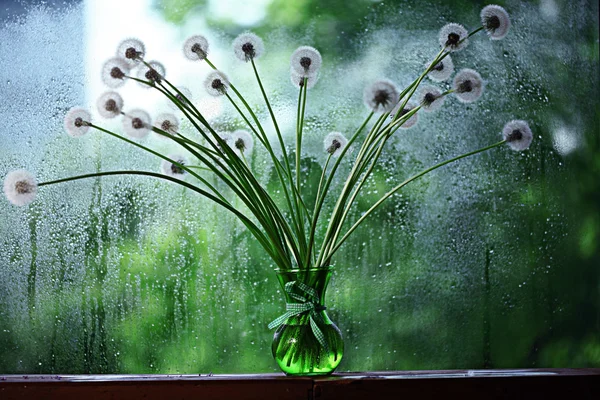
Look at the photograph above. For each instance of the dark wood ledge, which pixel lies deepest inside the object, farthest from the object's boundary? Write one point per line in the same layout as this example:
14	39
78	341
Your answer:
462	384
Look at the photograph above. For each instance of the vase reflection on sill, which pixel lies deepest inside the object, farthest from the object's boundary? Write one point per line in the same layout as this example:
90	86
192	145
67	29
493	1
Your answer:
300	346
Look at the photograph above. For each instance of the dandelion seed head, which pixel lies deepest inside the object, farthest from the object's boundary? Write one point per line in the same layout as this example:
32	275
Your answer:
171	169
496	21
468	85
195	48
76	122
186	94
412	121
442	70
168	123
136	124
114	72
454	37
248	46
431	98
241	142
298	80
131	51
517	134
225	137
334	143
306	61
109	104
381	96
216	83
20	187
153	73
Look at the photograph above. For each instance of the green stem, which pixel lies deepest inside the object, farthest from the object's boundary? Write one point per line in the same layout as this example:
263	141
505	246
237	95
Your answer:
269	215
400	186
279	137
298	140
245	220
313	227
332	174
348	184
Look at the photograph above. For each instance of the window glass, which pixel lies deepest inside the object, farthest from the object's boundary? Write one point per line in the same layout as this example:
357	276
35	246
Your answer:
489	262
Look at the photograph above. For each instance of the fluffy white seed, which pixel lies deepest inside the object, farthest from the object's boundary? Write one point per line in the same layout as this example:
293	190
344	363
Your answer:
335	143
216	83
131	51
136	124
453	37
517	134
76	122
248	46
298	80
468	85
496	21
241	142
431	98
171	169
153	73
114	72
381	96
168	123
195	48
306	61
442	70
20	187
109	104
412	121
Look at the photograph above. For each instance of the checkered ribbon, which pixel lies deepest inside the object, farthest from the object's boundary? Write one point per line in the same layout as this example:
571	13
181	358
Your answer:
310	304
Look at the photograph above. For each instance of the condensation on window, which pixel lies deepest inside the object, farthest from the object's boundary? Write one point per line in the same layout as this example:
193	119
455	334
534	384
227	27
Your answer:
490	262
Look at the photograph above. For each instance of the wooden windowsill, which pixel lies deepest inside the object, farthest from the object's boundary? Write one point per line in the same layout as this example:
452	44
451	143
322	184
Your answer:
463	384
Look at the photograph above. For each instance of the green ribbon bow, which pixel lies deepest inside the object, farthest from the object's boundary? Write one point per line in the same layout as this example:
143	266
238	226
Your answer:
310	304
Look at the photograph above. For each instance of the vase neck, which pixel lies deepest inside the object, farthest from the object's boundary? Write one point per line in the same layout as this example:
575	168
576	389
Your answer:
316	279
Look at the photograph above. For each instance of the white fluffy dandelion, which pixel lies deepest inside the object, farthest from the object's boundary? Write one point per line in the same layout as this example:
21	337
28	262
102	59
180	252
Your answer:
298	80
114	72
136	123
306	61
20	187
195	48
109	104
334	143
132	51
216	83
185	94
168	123
153	73
517	134
381	96
467	85
454	37
442	70
171	169
431	98
225	137
412	121
248	46
241	142
496	21
77	121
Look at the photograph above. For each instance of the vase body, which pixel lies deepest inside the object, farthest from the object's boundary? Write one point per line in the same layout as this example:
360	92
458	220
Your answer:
295	346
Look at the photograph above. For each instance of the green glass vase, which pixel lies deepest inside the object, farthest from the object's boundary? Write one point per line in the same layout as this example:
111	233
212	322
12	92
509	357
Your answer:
307	343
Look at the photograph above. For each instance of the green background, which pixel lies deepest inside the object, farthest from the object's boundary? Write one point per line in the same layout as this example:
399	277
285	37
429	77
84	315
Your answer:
490	263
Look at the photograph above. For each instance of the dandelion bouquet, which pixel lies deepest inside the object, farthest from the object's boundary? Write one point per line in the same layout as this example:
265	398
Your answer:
306	341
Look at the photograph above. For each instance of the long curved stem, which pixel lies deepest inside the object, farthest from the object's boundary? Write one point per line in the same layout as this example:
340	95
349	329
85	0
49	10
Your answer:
245	220
400	186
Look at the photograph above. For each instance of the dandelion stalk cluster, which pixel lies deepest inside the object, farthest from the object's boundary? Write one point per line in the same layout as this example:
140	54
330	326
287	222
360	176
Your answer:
288	231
